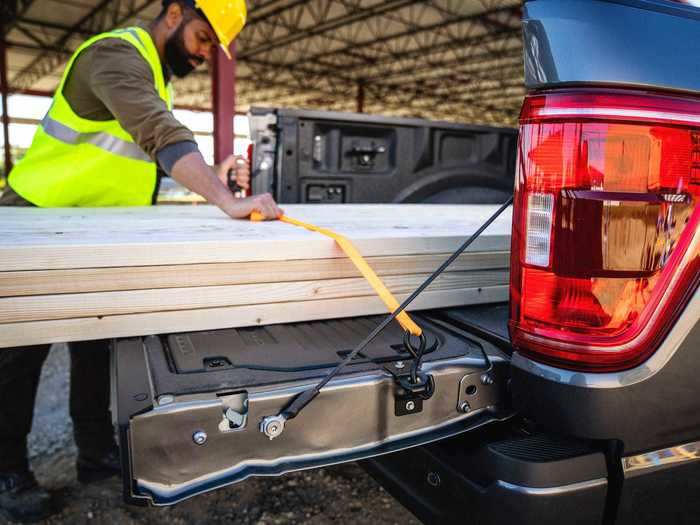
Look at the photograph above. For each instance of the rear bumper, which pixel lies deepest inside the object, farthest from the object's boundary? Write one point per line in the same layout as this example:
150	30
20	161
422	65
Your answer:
661	487
539	480
497	475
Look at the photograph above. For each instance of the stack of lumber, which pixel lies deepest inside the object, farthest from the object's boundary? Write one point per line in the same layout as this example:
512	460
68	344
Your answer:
79	274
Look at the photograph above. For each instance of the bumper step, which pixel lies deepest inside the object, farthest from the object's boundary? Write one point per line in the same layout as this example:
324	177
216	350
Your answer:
498	476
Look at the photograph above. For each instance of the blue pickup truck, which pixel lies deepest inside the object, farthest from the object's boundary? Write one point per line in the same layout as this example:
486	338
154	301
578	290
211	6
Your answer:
576	402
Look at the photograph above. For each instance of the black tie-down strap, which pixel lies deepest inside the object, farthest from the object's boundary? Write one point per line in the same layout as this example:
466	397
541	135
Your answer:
305	397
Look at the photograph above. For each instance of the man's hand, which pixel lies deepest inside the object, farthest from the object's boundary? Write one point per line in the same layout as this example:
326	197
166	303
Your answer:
263	203
192	172
241	171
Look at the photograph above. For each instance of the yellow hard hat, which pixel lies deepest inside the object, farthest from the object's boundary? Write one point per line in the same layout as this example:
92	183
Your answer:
227	18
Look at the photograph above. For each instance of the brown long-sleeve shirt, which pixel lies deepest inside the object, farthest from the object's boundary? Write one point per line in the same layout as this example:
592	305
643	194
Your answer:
111	80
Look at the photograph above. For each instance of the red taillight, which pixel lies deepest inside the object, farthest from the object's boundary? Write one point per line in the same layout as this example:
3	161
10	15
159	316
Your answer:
606	244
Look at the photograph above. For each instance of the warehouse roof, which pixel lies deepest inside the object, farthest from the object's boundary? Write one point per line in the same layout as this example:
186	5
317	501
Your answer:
441	59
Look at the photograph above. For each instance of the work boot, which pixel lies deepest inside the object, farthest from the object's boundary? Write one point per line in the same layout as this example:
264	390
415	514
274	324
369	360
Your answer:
22	499
93	468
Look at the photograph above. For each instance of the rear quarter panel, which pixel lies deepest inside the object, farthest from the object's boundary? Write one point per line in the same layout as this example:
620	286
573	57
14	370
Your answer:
647	44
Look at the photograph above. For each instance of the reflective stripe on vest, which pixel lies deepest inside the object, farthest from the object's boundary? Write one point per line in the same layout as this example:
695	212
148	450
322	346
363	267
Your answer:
79	162
104	141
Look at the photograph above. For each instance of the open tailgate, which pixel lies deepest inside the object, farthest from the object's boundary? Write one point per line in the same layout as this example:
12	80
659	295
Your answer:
189	406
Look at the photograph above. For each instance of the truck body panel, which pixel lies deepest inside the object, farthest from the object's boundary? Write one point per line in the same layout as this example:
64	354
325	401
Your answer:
587	44
635	43
645	420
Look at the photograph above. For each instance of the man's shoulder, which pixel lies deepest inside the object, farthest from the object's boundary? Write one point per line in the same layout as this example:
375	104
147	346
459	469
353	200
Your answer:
113	54
112	45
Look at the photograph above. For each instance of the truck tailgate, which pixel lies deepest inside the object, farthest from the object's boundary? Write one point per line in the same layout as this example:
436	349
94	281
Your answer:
189	406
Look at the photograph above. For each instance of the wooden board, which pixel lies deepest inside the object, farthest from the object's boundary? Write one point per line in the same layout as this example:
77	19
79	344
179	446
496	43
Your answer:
40	239
83	280
132	325
72	274
66	306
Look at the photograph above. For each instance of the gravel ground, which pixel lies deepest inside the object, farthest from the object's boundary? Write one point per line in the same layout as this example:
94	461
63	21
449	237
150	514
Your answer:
339	495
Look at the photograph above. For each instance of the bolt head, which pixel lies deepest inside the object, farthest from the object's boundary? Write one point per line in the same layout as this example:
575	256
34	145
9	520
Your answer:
464	407
272	426
487	379
199	437
410	405
399	364
433	479
165	400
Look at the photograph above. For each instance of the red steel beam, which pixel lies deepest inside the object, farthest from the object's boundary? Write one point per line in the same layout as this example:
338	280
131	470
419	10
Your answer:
360	97
5	114
223	86
32	92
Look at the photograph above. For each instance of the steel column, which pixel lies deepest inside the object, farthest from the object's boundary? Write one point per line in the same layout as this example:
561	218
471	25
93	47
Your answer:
224	102
5	93
360	97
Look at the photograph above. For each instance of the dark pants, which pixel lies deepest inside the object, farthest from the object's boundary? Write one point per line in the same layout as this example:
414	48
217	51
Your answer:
20	369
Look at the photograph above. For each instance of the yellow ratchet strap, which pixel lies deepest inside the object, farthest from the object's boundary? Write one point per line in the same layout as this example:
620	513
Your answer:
389	300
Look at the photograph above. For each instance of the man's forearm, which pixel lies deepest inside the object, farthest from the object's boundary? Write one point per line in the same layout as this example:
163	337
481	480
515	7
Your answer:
192	172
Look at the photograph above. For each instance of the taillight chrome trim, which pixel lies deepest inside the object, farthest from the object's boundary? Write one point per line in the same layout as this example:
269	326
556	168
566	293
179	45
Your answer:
688	319
599	103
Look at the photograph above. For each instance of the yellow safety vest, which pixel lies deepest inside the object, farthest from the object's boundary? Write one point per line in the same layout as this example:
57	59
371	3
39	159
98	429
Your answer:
78	162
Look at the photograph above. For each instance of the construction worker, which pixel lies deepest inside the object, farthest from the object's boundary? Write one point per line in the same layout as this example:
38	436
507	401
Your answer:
110	128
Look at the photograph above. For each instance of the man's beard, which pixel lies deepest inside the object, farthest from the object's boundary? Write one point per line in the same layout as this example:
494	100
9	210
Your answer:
176	54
